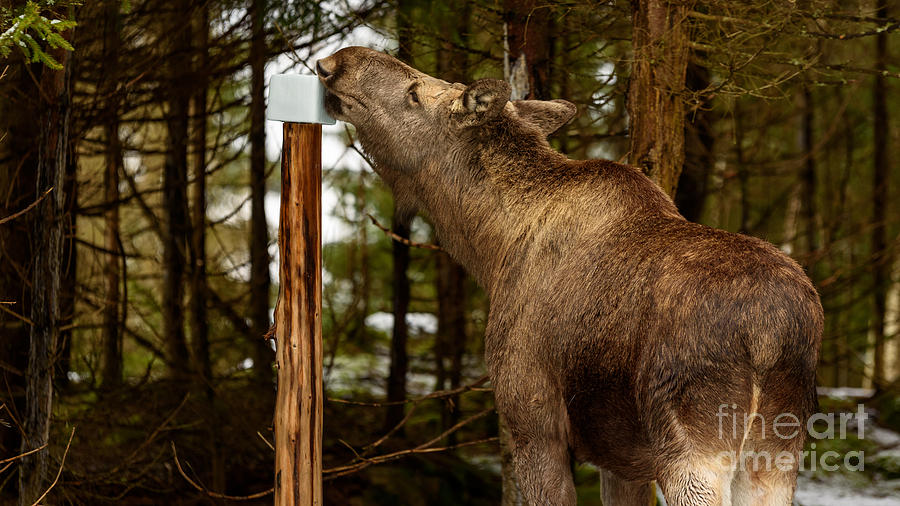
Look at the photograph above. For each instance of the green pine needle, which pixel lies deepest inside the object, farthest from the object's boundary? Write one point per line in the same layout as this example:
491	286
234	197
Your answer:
33	33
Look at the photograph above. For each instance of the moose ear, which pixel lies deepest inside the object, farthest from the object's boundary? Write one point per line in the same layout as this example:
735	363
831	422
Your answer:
547	115
480	102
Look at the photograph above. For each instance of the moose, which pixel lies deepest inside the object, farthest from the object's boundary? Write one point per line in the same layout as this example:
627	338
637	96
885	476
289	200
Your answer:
619	333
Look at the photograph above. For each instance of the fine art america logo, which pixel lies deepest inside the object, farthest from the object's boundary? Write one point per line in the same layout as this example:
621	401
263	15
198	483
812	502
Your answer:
786	426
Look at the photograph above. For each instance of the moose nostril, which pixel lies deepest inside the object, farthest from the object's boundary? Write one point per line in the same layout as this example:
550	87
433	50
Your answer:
323	70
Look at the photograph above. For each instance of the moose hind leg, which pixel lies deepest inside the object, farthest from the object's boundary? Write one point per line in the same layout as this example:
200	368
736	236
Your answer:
700	481
767	470
618	492
763	488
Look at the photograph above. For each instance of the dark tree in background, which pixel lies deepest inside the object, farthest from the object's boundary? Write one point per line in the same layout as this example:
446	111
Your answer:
46	272
111	336
881	255
699	159
175	230
259	228
529	37
199	291
660	40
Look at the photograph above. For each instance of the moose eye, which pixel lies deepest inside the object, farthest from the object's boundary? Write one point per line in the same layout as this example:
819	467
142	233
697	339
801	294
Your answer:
413	97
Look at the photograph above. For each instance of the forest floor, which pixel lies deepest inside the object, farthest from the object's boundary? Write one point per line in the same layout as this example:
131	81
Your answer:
877	483
126	456
815	493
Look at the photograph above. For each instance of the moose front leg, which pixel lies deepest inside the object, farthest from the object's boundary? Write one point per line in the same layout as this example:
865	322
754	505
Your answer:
538	423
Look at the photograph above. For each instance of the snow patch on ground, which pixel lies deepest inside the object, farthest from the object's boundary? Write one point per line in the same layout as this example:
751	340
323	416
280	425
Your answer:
839	492
845	393
854	488
421	322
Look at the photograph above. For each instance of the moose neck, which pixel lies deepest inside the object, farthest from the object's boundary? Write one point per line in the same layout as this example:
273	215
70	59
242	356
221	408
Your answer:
494	195
481	220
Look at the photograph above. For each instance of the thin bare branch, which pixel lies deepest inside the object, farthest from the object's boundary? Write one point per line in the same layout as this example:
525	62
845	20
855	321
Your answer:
29	208
402	240
58	472
473	386
210	493
426	447
19	456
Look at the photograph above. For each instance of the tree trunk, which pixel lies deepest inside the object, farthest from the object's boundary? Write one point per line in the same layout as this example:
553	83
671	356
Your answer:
175	193
259	228
451	329
298	409
47	231
69	271
111	338
698	148
396	383
655	106
199	320
741	164
199	316
660	36
566	79
530	44
810	214
17	182
810	182
846	371
881	262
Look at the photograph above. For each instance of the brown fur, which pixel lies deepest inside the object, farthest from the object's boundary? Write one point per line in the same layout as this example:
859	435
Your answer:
617	328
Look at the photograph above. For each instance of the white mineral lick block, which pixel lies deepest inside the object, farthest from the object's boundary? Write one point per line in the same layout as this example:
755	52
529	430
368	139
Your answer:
297	99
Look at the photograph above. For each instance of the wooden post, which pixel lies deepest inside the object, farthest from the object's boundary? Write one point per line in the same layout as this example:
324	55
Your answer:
298	408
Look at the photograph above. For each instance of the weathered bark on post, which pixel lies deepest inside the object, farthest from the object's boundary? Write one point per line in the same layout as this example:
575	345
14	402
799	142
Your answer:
298	409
